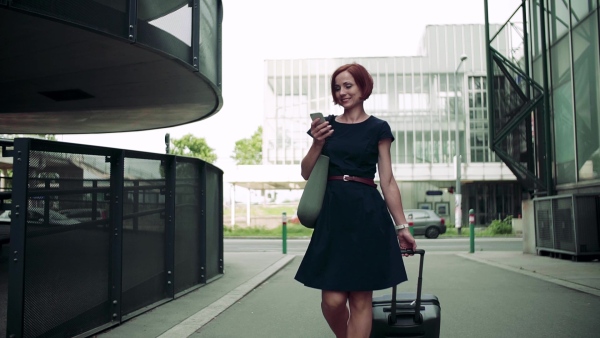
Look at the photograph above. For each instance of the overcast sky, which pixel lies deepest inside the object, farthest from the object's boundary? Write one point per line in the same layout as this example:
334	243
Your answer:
256	30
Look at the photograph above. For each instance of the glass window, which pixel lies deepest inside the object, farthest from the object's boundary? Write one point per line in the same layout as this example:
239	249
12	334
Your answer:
562	102
536	28
560	63
377	102
559	19
443	82
580	9
564	134
413	102
587	98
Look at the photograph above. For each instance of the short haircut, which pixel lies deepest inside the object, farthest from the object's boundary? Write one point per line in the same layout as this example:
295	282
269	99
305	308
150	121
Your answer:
361	76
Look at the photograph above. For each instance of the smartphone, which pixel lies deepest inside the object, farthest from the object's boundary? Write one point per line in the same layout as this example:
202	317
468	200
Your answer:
314	116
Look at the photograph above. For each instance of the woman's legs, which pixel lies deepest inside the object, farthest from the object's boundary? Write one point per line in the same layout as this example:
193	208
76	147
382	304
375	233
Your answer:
348	322
361	314
335	311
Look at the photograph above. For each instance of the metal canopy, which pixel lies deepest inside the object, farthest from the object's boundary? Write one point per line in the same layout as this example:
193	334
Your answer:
61	79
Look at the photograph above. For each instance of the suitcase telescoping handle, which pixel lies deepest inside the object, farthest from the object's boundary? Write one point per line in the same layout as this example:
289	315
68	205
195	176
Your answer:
418	318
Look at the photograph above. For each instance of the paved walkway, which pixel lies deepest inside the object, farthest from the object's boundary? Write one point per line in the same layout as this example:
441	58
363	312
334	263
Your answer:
258	297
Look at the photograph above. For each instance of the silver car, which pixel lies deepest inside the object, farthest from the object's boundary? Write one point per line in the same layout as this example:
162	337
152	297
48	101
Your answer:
4	227
425	222
35	216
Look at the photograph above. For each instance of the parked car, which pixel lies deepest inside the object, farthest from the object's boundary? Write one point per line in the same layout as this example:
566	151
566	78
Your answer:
84	214
5	217
35	216
4	227
425	222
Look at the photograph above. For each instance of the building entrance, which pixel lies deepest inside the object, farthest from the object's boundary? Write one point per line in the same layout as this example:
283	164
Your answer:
491	201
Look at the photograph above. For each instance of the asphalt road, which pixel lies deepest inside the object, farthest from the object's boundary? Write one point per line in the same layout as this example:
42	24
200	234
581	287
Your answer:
477	300
298	246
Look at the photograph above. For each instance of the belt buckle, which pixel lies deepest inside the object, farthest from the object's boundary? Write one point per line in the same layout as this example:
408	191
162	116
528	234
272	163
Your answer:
345	178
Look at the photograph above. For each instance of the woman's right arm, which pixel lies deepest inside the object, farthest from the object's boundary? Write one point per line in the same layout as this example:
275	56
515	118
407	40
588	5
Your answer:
319	131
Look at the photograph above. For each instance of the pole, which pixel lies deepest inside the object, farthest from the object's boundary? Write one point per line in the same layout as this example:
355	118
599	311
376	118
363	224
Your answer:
457	194
167	142
471	231
284	231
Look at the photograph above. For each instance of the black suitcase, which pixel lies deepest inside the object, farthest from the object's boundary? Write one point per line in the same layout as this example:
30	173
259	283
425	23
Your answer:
412	315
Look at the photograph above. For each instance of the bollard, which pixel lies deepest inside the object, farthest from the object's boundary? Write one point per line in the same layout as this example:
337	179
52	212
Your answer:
284	231
471	231
410	228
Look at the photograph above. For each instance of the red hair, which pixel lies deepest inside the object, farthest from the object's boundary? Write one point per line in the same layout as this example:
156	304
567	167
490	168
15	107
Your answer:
361	76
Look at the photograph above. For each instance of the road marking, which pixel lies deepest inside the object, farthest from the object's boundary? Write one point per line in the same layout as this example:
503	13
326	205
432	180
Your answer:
196	321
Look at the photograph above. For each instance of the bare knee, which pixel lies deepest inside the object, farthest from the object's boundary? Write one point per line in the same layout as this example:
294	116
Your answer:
333	300
360	301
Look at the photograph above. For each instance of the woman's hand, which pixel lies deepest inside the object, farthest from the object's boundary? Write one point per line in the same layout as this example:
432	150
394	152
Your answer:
320	131
406	240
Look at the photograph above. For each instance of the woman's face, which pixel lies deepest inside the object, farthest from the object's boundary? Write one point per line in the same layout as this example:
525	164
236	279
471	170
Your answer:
347	93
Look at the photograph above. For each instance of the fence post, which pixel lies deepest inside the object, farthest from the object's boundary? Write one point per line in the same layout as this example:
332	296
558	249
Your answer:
471	231
284	231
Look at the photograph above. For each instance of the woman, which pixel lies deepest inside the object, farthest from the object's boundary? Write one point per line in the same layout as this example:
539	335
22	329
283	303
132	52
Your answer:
355	247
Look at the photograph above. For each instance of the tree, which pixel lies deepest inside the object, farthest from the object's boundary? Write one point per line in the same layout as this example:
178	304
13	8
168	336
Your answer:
189	145
249	150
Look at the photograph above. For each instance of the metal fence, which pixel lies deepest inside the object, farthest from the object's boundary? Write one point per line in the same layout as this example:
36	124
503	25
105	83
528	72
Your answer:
99	235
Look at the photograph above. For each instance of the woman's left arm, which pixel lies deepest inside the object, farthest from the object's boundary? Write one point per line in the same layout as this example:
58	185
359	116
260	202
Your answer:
391	193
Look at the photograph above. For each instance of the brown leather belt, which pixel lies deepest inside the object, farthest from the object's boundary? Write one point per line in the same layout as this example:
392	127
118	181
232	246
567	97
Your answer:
346	178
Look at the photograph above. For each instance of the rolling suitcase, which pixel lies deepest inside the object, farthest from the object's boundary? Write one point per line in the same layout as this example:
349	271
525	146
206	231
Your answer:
411	315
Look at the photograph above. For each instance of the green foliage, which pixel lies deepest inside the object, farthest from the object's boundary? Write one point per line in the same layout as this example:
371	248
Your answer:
50	137
249	150
192	146
501	227
264	210
293	230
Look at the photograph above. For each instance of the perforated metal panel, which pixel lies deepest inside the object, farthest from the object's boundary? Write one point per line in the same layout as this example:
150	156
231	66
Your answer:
106	16
67	260
174	38
92	233
209	60
588	211
144	238
189	268
214	223
568	224
545	237
562	216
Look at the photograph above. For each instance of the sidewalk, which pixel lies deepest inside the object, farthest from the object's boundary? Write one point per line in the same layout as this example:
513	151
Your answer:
245	272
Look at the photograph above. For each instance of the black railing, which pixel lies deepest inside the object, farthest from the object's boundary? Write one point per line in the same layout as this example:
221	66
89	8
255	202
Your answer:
99	235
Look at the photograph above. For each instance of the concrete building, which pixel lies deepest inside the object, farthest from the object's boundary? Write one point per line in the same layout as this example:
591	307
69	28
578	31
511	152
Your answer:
417	96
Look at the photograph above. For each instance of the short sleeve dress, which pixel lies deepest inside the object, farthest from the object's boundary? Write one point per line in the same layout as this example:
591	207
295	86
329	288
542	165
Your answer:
354	245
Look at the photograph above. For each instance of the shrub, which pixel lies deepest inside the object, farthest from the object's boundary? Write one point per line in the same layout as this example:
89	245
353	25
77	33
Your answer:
501	227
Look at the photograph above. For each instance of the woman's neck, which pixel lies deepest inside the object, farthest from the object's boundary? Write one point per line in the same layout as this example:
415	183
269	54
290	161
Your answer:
355	115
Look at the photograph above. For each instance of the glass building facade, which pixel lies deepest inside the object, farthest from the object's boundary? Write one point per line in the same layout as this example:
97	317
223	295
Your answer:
571	32
545	121
425	100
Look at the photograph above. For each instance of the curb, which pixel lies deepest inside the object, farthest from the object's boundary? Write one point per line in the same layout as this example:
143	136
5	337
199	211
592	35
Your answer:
198	320
557	281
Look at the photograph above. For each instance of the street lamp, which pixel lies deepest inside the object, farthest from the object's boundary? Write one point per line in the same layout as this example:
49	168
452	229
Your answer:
457	194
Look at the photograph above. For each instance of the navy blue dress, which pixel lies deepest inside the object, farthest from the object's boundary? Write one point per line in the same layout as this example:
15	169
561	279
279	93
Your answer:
354	245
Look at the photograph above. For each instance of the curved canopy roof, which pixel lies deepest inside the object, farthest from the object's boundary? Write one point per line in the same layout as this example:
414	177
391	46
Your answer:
61	79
